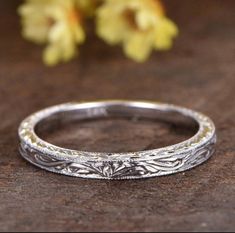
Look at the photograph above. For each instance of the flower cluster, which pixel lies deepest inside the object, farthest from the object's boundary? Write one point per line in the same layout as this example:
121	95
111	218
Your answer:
140	26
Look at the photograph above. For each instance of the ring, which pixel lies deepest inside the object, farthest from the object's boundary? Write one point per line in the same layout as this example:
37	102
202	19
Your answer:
131	165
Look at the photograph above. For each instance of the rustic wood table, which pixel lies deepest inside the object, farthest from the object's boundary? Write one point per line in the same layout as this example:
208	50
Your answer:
199	73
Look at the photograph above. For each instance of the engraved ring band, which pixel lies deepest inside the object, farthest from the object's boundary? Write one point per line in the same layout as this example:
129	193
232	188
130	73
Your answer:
117	166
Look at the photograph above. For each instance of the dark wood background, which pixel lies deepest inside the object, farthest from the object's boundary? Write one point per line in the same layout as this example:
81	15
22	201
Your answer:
198	73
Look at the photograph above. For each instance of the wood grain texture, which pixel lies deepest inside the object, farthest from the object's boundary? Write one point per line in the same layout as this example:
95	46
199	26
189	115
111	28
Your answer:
198	73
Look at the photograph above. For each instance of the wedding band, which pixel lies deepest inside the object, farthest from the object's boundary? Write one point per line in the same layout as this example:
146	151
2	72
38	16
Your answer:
131	165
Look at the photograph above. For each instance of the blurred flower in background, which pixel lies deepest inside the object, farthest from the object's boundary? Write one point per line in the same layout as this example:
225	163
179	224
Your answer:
139	25
56	22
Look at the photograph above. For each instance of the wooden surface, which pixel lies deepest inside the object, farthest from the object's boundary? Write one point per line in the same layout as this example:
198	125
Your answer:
198	73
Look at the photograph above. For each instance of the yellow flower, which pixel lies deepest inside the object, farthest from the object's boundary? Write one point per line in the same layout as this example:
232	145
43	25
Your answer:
55	22
140	25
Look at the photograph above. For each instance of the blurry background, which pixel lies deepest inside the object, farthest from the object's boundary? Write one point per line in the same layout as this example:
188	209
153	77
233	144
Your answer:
197	73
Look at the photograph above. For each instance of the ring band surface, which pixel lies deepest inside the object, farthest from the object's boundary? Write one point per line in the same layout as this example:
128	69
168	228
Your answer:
131	165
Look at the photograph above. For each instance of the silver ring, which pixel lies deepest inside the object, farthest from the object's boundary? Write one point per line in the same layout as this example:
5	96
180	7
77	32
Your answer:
134	165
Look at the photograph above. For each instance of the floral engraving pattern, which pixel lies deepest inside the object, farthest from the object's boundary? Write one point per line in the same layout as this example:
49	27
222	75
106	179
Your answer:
121	169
